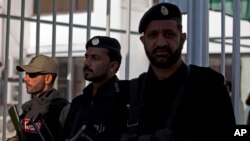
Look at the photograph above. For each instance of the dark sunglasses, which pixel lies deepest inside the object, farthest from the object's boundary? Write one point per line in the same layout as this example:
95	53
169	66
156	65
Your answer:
34	75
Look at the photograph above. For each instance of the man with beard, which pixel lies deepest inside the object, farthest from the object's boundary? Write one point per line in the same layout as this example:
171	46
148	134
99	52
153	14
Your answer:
98	114
175	101
40	118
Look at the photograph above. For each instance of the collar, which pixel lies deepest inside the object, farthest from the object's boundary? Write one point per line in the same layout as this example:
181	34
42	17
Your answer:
109	88
178	76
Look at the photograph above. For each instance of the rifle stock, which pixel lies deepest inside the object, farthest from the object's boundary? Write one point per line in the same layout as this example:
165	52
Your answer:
16	122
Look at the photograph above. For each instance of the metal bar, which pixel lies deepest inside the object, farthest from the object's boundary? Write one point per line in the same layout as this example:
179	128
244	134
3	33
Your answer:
20	89
189	32
108	18
223	64
128	28
205	26
229	43
54	3
6	71
90	3
74	25
202	32
228	37
197	49
70	62
54	10
236	60
37	26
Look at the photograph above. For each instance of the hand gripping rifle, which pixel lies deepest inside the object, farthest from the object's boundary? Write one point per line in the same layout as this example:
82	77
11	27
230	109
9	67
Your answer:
13	113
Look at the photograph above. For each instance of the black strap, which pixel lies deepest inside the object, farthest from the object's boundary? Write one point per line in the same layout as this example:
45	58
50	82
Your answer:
175	105
133	110
177	100
132	122
135	101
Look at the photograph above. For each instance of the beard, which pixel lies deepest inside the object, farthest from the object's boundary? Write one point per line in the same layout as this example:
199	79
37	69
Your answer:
163	61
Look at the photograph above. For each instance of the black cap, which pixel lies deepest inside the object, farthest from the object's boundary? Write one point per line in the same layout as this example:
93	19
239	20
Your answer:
161	11
104	42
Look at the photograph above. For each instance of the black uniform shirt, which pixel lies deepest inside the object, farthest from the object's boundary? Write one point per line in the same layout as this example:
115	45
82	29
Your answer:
103	115
158	99
205	109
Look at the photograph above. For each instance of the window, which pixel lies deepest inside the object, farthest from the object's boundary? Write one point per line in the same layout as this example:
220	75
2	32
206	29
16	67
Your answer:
46	6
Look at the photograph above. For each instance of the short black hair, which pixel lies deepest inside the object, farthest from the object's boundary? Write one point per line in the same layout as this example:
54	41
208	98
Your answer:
115	56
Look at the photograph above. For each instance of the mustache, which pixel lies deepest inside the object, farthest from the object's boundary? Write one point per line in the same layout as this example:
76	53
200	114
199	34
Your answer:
87	69
27	84
162	48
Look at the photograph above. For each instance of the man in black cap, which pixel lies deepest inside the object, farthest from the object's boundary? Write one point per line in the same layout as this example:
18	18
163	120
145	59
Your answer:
98	114
40	118
175	101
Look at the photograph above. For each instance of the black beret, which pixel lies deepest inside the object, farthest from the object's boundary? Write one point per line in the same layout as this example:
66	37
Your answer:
104	42
161	11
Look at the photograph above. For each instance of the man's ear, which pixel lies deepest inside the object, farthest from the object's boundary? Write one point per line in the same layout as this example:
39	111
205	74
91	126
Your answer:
113	66
183	38
142	39
48	78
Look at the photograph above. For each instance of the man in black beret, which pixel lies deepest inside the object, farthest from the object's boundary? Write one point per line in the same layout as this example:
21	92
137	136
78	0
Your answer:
175	101
98	114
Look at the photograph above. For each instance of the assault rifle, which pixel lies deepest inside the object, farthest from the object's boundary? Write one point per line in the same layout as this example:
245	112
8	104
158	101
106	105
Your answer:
13	113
